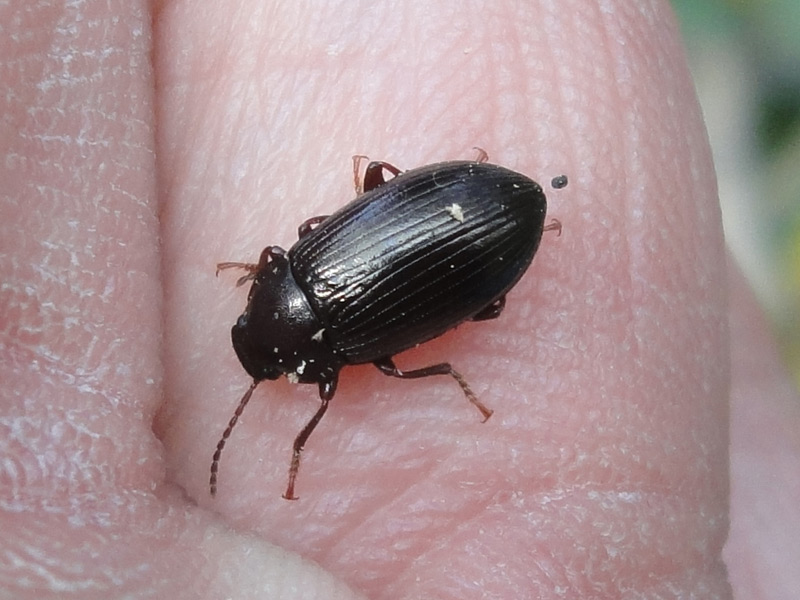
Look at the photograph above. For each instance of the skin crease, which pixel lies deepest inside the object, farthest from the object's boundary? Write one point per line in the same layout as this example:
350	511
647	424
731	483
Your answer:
603	472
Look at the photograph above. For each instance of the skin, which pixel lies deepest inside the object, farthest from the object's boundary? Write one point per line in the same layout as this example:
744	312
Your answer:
604	471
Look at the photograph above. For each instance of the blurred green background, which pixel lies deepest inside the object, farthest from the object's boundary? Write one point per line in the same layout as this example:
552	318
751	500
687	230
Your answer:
745	57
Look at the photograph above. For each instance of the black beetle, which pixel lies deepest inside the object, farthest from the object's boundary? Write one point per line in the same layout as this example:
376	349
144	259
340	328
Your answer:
405	262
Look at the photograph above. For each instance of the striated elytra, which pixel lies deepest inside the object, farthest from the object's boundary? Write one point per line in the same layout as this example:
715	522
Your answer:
405	262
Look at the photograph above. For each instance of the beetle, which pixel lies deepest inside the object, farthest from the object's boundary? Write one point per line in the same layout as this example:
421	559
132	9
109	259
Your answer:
406	261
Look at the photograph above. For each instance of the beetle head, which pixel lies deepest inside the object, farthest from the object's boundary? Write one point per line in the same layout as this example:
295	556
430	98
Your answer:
278	333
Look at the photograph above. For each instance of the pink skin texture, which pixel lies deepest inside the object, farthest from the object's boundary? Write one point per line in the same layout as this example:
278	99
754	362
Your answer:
144	143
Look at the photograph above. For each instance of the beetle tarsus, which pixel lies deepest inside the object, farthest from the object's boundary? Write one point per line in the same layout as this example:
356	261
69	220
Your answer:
268	254
373	175
554	225
251	269
293	468
483	156
358	184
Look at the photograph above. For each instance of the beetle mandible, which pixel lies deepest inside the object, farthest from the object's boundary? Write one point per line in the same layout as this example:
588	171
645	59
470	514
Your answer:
406	261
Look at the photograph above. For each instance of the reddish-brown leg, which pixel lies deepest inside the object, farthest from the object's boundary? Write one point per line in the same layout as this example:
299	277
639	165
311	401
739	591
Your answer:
387	367
267	254
373	176
357	182
554	225
326	392
307	226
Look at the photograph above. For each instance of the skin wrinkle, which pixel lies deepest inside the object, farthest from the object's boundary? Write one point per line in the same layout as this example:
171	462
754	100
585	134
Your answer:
665	300
435	528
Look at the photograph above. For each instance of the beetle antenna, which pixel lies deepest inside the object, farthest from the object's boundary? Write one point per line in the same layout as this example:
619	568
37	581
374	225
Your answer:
226	434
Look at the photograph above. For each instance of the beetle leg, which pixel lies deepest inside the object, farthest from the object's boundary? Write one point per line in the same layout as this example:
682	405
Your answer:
212	482
387	367
492	311
373	176
307	226
268	254
554	225
357	183
482	155
326	391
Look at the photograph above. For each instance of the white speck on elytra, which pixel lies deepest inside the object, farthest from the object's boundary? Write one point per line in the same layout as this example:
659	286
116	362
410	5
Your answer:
456	212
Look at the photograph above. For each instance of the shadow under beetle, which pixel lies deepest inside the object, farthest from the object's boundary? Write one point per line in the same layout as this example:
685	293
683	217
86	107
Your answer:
403	263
